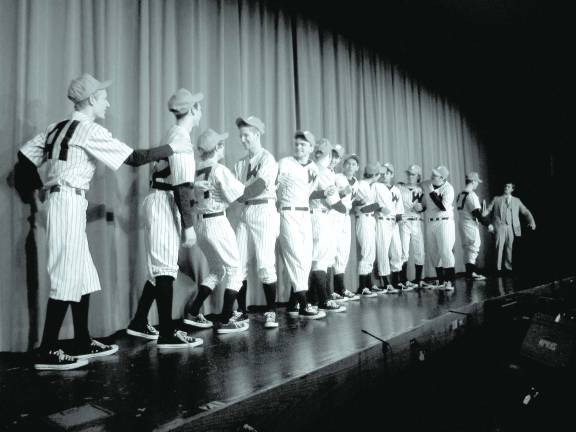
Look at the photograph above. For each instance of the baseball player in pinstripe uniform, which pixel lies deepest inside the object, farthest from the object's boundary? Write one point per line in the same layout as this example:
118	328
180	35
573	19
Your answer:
347	185
441	231
470	212
323	198
296	180
364	207
259	223
70	149
214	190
168	215
412	226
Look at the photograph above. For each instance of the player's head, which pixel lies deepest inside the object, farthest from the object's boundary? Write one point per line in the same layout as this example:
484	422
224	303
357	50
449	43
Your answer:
304	142
386	173
414	174
323	153
439	175
337	154
509	188
186	107
211	145
350	165
473	180
89	95
372	171
251	129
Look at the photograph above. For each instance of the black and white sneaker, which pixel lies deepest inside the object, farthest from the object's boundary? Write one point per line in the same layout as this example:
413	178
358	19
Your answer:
270	320
57	360
405	287
411	284
295	311
332	306
312	313
350	296
337	297
367	293
376	289
478	276
232	326
448	286
199	321
391	290
95	349
179	340
239	316
146	331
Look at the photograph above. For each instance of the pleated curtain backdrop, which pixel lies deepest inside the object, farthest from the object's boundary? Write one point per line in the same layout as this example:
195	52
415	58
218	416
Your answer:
246	59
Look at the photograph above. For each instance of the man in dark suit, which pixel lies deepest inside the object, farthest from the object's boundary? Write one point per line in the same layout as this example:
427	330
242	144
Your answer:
504	211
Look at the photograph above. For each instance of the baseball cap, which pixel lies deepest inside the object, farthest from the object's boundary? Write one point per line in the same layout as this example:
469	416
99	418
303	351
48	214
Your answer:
324	147
372	168
387	167
414	169
352	156
84	86
251	121
442	171
473	176
306	136
209	139
339	150
183	100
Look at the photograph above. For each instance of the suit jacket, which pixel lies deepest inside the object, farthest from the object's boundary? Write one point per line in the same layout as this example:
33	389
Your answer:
497	213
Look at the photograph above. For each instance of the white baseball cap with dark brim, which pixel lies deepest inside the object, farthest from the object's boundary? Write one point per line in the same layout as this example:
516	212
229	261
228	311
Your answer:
339	150
84	86
414	169
306	136
251	121
473	176
372	168
183	100
441	171
209	139
387	167
352	156
324	147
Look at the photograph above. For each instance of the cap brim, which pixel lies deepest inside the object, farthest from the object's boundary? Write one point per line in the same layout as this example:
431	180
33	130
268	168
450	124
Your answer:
223	137
436	172
412	172
356	158
104	84
197	97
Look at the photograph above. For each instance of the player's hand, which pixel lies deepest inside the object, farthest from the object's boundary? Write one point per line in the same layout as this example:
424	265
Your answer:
347	190
491	228
418	207
398	218
181	146
532	226
330	190
189	237
203	186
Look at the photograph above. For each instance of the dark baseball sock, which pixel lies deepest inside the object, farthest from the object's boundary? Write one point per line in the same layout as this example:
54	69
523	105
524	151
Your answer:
203	293
270	293
395	279
469	269
339	283
384	282
419	269
292	301
362	282
319	280
229	298
80	318
164	294
301	299
312	289
440	274
329	278
55	313
403	274
241	298
450	274
144	304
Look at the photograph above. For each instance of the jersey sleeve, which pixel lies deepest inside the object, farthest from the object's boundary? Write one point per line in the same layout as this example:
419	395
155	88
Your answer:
383	198
473	202
34	149
448	196
107	149
230	186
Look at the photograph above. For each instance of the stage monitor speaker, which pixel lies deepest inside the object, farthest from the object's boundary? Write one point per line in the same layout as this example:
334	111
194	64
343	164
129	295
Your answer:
549	342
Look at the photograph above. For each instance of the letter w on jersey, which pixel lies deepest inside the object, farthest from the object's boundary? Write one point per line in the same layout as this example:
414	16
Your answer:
58	139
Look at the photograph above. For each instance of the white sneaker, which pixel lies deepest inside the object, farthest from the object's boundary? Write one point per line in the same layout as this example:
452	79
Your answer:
478	277
410	284
240	316
270	320
232	326
312	313
367	293
350	296
391	290
448	286
332	306
180	340
294	313
198	321
337	297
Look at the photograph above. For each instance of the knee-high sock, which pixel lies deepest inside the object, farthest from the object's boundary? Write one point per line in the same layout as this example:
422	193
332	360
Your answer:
301	299
384	281
339	283
270	293
55	313
229	298
364	282
80	318
292	300
242	297
450	274
404	273
419	269
203	293
440	274
395	279
318	281
164	294
312	295
144	304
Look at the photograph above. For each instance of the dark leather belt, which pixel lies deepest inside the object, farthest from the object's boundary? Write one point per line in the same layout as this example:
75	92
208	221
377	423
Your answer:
57	188
161	186
363	214
318	210
438	219
211	215
413	219
257	201
386	218
295	208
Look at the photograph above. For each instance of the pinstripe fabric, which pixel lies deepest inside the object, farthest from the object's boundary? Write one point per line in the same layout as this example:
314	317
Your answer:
70	266
263	166
366	230
412	240
466	203
388	247
179	167
440	238
323	244
342	226
226	188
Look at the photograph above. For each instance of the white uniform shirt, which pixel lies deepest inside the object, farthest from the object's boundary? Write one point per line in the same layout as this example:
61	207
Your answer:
383	197
227	188
326	178
71	148
466	203
410	196
263	166
446	193
295	182
341	183
398	205
365	193
179	168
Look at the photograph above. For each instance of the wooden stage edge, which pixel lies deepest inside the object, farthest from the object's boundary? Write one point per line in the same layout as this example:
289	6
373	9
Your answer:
339	381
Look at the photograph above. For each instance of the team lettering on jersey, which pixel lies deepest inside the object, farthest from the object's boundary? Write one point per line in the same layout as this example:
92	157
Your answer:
52	139
461	200
253	172
311	176
204	174
416	196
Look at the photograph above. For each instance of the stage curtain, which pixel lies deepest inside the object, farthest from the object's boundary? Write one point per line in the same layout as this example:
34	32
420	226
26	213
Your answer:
240	54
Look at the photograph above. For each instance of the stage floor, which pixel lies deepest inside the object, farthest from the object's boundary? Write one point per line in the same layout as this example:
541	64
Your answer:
144	389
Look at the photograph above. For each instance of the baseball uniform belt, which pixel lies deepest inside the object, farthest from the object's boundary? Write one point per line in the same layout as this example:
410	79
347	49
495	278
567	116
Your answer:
58	188
257	201
211	215
316	210
386	218
438	219
413	219
295	208
363	214
161	186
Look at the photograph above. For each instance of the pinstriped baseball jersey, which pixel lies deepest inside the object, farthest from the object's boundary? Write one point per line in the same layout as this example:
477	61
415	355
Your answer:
263	166
397	200
326	178
365	192
410	196
296	182
341	183
446	193
466	203
70	149
383	197
179	168
226	188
